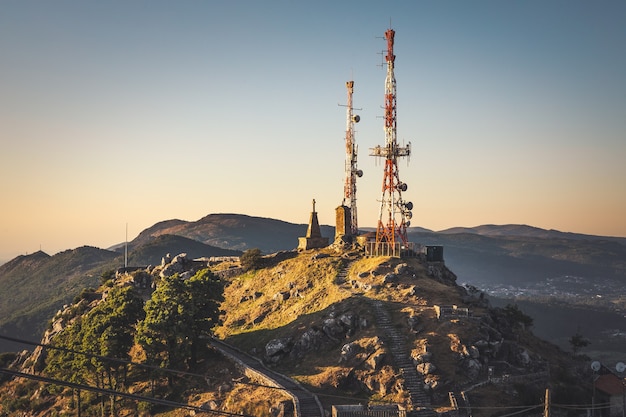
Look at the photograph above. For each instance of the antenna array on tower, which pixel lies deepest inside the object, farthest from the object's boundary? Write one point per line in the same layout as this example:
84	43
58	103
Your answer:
395	213
352	172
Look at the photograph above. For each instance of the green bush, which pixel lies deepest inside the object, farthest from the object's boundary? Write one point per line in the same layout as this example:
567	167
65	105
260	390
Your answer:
251	259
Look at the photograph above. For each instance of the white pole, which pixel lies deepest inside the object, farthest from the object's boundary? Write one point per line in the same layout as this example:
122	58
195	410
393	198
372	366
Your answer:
126	249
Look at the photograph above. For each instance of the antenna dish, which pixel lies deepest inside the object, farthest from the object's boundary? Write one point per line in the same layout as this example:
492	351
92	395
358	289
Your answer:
620	367
356	118
595	366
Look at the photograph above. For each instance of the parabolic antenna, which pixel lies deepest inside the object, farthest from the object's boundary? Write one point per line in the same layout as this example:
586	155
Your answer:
620	367
595	366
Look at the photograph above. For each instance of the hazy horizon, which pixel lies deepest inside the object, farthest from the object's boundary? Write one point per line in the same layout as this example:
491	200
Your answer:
4	259
116	113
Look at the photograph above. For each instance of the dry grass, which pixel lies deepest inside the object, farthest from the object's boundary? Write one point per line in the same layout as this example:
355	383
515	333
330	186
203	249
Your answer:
252	303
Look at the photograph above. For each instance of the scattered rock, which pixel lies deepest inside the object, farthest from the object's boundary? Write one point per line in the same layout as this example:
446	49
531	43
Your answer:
426	368
277	347
390	278
348	351
375	361
402	269
281	296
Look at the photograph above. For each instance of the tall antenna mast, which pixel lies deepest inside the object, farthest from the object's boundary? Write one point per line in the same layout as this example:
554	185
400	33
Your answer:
352	172
394	211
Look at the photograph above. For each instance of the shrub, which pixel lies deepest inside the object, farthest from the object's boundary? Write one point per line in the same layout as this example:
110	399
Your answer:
251	259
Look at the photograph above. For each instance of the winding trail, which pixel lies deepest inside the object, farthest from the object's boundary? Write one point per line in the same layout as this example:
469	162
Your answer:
306	404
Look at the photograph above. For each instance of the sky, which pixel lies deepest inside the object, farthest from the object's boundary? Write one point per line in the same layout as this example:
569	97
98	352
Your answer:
115	115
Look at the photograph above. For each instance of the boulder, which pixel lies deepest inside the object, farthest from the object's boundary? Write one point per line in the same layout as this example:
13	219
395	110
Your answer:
402	268
348	351
422	357
375	361
310	340
277	347
471	367
281	296
426	368
171	269
348	319
474	353
413	322
333	329
390	278
210	405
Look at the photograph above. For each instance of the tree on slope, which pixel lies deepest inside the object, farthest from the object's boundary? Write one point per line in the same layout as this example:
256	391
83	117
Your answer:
106	331
177	315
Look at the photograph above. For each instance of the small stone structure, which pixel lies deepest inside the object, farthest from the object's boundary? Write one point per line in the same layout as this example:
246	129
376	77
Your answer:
434	253
451	312
343	220
313	238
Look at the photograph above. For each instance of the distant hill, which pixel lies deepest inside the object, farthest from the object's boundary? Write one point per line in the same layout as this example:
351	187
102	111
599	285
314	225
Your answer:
235	231
151	252
514	254
522	230
34	286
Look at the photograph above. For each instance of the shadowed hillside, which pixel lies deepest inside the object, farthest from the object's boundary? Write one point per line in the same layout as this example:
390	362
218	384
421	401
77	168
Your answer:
33	287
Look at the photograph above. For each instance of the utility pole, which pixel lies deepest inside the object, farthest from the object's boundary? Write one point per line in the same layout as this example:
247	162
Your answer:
546	407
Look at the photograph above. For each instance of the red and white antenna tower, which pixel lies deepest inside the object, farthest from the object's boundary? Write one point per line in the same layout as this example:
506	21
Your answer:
395	213
352	172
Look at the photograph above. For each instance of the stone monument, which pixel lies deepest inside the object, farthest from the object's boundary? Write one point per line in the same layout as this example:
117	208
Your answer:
313	238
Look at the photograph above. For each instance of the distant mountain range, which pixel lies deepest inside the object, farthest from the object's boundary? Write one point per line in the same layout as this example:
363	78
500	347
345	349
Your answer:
34	286
511	254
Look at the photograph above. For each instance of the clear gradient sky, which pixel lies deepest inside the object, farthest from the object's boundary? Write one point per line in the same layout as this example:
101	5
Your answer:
133	112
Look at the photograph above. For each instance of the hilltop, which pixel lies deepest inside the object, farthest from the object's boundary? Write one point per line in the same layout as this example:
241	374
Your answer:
512	263
349	329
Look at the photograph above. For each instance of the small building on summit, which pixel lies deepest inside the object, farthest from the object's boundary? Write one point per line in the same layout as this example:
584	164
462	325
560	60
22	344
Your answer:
313	238
343	220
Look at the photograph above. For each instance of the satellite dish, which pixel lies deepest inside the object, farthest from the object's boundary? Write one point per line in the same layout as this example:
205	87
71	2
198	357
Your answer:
620	367
595	366
356	118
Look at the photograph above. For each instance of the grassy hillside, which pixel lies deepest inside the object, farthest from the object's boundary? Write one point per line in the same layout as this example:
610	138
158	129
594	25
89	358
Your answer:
316	316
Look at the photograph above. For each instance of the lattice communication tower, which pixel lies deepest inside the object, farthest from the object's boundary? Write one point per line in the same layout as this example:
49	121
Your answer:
352	172
395	213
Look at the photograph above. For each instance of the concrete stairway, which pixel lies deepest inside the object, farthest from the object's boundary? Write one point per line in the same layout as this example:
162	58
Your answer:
397	343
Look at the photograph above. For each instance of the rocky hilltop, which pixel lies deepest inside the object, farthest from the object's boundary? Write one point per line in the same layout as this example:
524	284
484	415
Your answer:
346	328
